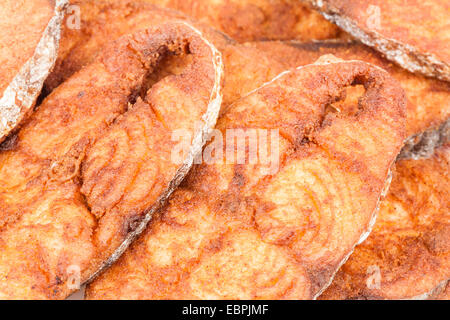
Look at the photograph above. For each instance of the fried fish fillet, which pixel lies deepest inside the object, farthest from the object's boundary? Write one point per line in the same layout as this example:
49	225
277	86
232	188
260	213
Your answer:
29	37
428	105
95	160
253	20
234	231
413	33
407	255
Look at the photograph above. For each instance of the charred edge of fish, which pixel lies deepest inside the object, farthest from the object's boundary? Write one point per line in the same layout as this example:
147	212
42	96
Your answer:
424	144
200	137
405	55
20	96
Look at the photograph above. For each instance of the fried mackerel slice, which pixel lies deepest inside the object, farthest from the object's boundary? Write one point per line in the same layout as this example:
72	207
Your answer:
239	231
253	20
29	39
407	255
428	106
426	203
414	34
102	21
95	161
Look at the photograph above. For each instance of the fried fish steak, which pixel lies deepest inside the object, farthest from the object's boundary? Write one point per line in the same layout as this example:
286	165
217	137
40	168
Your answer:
96	158
428	105
413	33
253	20
234	230
103	21
407	255
29	36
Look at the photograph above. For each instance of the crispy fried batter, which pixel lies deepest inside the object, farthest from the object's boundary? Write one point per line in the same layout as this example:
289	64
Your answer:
96	157
100	22
253	20
29	36
413	33
230	231
428	99
407	255
104	21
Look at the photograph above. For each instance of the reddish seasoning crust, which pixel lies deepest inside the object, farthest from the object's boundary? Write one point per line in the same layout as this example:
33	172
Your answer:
100	22
410	241
230	232
94	158
253	20
392	28
428	99
104	21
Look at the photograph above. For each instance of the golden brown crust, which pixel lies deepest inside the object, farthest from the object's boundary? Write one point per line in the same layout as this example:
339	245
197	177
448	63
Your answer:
100	22
96	157
103	21
428	99
253	20
232	232
413	33
407	255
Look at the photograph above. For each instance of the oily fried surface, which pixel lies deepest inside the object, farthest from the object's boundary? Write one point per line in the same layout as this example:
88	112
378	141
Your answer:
234	231
413	33
408	252
103	21
21	26
428	99
94	157
252	20
99	22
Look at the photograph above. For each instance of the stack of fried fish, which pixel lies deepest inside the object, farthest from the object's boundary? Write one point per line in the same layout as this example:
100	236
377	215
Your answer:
115	171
